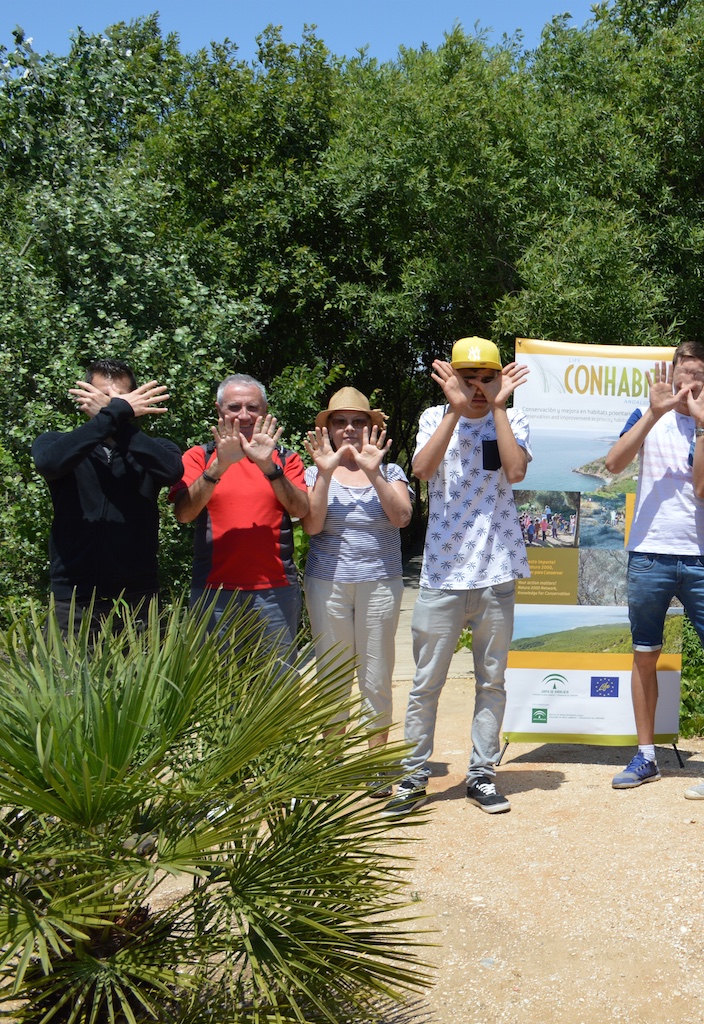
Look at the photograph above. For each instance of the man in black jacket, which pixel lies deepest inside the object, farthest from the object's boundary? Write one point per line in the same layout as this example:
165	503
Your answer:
104	478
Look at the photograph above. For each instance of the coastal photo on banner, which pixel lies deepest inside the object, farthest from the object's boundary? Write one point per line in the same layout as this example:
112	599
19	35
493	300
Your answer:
569	667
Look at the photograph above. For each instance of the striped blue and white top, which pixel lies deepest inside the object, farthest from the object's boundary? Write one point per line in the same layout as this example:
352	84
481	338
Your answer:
357	542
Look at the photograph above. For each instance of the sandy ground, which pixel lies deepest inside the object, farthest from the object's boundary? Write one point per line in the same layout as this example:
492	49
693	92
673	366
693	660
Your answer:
581	905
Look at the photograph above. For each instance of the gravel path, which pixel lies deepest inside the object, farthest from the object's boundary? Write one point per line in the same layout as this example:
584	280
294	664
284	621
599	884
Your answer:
583	905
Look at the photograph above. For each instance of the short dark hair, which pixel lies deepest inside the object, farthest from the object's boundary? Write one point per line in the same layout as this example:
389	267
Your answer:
688	350
112	369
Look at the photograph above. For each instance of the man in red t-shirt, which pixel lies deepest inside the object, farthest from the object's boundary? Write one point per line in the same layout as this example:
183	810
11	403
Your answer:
242	490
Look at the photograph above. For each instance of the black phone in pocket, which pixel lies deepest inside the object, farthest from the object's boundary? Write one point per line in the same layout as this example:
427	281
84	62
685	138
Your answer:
490	455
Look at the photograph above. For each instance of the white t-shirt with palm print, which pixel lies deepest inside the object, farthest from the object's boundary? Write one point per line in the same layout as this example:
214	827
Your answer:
473	538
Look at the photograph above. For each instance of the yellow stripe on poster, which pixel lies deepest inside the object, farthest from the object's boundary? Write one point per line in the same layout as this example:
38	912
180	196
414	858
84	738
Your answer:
537	346
590	662
630	512
591	739
554	577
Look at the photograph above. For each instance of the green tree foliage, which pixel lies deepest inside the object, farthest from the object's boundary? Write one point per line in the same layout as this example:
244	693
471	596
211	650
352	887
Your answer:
319	221
90	267
147	756
613	249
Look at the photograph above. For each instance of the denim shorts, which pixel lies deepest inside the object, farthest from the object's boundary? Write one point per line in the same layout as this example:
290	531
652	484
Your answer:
653	581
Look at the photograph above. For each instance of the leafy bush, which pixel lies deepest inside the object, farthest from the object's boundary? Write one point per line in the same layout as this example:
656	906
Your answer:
160	754
465	641
692	685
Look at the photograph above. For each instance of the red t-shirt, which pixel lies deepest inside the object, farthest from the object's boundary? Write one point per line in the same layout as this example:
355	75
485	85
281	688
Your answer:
244	536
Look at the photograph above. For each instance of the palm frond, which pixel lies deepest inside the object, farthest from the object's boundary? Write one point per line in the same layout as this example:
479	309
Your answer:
160	750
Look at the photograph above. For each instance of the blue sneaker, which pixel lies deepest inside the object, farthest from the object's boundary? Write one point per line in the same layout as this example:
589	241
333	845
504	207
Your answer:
636	773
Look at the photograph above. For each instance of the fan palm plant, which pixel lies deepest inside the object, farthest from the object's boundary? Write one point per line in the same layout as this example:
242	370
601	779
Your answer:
161	752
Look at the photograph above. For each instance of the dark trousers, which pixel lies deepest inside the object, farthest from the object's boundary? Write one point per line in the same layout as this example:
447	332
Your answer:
100	610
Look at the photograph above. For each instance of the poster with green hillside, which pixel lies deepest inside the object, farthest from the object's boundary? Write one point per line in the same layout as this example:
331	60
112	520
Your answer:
568	677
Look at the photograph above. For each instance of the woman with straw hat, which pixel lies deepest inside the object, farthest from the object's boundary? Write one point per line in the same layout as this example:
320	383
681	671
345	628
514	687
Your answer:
353	580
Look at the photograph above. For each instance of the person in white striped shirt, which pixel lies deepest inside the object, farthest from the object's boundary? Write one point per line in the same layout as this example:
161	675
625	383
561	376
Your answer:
353	580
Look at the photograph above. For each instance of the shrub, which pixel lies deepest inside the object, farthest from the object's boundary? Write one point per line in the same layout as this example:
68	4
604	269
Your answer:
161	752
692	684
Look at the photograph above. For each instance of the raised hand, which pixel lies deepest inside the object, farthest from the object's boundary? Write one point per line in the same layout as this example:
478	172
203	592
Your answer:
89	399
695	407
374	447
324	456
497	391
145	400
260	447
662	397
228	441
457	391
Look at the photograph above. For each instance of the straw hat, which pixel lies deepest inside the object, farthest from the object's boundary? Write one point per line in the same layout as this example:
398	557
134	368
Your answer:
354	401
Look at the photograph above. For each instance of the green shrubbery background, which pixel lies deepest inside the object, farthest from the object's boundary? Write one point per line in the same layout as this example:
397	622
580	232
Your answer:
319	220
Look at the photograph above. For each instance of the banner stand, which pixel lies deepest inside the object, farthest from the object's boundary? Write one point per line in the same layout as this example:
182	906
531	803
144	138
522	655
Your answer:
581	740
568	673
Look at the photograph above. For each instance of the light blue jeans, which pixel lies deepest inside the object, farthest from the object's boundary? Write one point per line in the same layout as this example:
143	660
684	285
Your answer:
439	617
278	609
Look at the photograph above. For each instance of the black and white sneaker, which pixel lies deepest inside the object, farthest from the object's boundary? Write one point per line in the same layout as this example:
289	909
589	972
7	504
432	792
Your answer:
409	797
379	788
482	792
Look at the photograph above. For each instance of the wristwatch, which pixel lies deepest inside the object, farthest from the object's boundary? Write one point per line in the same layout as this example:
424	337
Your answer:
699	432
275	473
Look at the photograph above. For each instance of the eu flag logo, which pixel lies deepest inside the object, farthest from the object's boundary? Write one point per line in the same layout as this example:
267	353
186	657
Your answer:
604	686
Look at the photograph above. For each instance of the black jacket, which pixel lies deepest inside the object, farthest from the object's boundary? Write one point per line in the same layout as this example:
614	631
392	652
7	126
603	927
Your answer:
105	533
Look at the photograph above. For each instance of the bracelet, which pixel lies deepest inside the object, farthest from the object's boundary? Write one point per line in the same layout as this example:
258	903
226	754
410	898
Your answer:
275	473
209	478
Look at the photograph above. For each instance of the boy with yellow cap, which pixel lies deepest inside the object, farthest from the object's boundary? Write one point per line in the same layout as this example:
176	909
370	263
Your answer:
470	450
